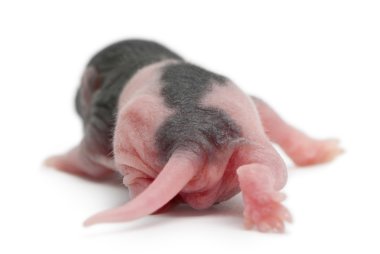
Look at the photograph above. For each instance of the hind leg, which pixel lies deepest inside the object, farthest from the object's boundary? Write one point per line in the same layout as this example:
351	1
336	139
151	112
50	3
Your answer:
261	177
302	149
263	209
77	162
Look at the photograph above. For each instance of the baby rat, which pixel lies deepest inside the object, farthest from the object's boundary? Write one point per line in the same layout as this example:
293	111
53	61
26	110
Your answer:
179	133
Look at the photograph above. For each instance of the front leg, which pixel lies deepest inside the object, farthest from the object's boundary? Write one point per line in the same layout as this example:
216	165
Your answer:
262	200
78	162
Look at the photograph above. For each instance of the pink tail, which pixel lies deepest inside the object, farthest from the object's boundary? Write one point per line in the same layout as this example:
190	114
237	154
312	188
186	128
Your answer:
179	170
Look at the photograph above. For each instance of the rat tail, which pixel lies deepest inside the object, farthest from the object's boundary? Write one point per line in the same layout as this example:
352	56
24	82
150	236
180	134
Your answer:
178	171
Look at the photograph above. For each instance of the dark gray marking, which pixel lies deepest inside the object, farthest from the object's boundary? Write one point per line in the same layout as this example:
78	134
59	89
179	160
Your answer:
197	129
113	67
185	84
192	126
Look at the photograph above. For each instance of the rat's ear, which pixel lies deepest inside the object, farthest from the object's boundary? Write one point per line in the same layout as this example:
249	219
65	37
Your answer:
90	83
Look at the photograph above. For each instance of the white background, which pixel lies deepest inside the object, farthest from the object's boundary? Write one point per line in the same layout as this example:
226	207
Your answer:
316	62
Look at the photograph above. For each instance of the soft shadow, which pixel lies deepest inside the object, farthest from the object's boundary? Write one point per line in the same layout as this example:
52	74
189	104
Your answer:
230	211
228	208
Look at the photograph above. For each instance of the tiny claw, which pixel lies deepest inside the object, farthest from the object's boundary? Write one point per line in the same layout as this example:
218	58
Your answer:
263	227
279	197
51	161
248	224
285	215
279	226
288	217
335	148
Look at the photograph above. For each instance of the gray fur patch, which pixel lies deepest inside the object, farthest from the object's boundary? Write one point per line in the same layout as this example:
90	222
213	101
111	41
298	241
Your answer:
192	127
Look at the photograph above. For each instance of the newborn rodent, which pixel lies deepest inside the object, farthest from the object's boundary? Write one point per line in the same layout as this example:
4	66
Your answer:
178	133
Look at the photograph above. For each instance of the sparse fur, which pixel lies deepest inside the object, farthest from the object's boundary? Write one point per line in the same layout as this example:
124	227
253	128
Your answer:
192	126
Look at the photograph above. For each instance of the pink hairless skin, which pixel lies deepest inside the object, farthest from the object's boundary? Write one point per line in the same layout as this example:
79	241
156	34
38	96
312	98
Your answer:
247	163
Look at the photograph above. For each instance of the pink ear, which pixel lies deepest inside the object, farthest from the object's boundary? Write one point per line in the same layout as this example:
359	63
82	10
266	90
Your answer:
179	170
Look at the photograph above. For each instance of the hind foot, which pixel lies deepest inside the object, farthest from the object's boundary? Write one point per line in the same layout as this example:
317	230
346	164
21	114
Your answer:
262	203
313	152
